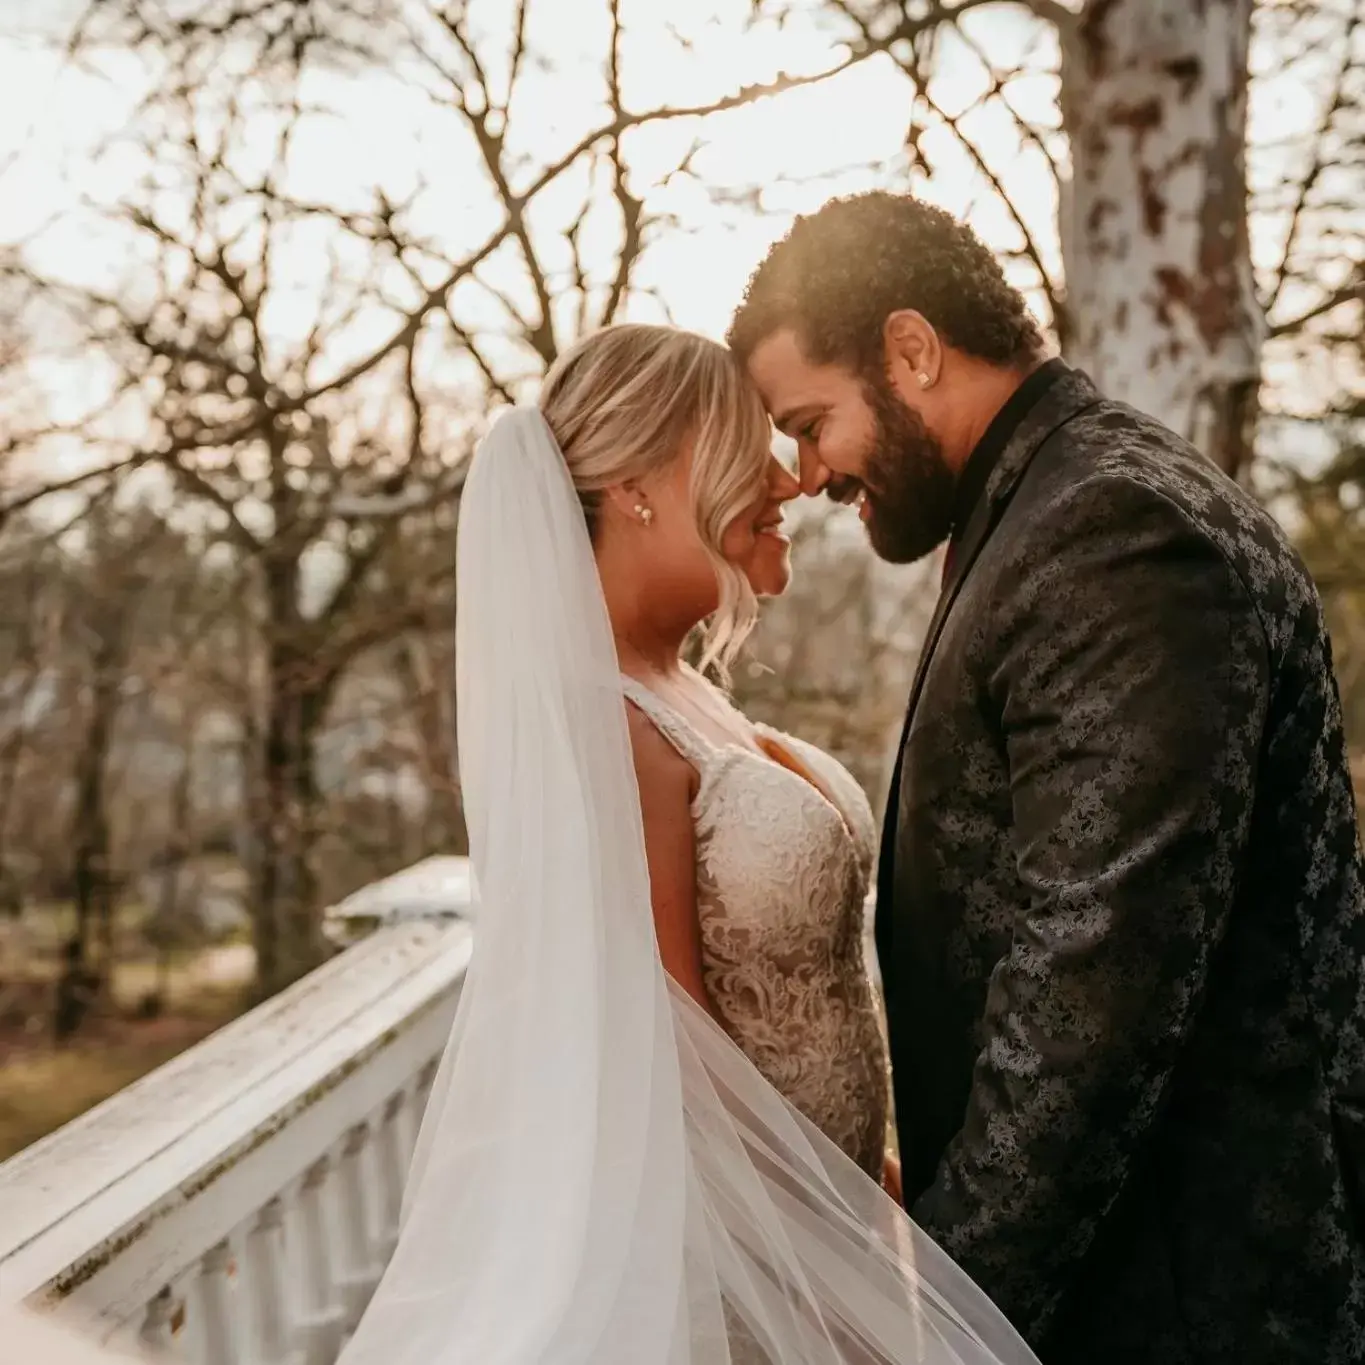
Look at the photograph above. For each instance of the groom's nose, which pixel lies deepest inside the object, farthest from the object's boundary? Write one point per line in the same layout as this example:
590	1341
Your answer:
813	473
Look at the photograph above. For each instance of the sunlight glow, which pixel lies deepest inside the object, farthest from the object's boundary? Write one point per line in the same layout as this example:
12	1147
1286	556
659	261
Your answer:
800	147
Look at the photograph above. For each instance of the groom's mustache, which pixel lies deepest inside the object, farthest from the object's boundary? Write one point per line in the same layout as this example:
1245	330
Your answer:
844	488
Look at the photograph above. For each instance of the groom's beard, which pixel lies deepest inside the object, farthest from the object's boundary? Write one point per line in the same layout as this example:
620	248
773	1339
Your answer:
908	487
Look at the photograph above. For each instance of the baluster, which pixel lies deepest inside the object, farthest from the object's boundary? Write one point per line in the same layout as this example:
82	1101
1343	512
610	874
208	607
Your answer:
155	1336
393	1152
213	1328
320	1318
421	1093
265	1291
357	1272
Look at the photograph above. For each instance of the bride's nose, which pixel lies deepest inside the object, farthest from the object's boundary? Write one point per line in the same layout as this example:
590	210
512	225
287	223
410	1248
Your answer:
783	485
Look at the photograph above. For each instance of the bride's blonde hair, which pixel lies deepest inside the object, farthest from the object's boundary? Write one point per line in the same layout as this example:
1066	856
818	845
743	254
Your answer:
621	402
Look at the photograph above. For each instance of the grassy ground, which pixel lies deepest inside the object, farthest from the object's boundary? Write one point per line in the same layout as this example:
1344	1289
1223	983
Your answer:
42	1088
42	1085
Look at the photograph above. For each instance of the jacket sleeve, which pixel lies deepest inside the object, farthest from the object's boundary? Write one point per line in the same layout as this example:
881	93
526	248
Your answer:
1130	674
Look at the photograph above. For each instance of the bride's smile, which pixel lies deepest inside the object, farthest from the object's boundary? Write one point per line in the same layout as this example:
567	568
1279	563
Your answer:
756	541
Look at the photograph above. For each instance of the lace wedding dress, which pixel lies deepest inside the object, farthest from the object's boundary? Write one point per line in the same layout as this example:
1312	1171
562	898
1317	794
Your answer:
783	867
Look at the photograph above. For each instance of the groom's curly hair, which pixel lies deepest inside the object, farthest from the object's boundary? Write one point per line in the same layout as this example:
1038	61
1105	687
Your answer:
841	271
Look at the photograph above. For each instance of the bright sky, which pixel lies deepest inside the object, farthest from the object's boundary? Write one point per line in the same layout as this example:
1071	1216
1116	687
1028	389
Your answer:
801	147
385	134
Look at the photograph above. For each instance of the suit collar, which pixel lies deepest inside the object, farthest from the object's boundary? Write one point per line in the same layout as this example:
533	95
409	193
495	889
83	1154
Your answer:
975	474
1068	394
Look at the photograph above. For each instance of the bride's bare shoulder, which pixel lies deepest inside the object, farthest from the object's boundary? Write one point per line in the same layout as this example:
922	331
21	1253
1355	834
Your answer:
660	769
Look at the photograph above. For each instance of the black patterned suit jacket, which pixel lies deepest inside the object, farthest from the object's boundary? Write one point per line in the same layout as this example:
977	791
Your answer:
1121	922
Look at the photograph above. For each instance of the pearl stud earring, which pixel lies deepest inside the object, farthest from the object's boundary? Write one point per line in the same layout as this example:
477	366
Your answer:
646	514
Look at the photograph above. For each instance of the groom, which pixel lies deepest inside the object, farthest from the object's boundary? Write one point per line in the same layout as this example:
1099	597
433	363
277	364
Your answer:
1120	915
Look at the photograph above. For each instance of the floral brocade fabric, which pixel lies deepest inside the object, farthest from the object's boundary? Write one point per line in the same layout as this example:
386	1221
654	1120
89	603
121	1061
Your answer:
1121	921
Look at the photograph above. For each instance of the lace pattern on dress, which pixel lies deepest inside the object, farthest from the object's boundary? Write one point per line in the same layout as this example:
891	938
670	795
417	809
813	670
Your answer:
782	881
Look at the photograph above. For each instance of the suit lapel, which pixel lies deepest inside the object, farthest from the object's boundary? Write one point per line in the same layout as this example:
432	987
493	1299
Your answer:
1067	397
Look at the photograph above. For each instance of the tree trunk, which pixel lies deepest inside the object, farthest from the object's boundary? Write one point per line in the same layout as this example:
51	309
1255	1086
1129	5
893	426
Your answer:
430	688
12	753
25	667
91	870
286	915
79	985
172	913
1161	306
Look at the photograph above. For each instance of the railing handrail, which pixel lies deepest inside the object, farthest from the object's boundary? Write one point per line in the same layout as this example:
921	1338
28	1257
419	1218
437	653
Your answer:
84	1195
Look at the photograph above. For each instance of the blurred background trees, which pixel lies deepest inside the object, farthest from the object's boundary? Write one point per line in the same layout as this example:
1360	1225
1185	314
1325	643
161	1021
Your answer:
259	298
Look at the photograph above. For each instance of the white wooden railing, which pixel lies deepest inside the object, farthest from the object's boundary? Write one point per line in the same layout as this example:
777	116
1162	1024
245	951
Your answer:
237	1206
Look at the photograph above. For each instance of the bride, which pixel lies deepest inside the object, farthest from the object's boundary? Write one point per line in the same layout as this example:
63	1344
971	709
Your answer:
657	1134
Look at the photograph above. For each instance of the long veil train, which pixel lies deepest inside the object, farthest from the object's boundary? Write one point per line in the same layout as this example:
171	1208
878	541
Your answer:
602	1178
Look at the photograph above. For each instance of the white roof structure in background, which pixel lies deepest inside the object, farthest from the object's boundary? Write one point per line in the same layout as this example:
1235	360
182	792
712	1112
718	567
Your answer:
437	888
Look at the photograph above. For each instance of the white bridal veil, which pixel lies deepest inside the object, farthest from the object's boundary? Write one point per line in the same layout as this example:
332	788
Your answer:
602	1178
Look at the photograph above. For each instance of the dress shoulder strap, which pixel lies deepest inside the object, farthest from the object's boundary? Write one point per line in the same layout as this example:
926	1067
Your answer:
680	733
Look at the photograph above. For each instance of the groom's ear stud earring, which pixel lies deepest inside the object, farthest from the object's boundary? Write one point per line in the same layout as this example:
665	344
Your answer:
646	514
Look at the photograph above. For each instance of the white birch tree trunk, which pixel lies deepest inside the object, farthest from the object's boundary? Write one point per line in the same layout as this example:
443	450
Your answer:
1161	307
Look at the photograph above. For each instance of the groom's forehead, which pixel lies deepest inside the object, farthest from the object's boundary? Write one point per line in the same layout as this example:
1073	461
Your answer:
791	383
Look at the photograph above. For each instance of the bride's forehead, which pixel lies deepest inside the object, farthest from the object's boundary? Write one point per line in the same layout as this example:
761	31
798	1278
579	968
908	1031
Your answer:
723	456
